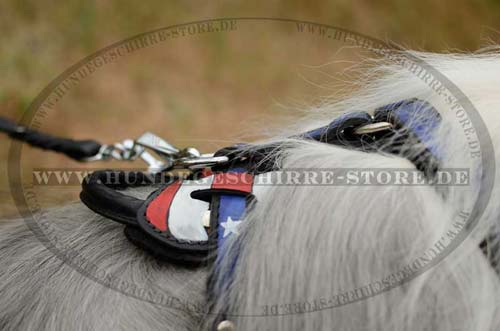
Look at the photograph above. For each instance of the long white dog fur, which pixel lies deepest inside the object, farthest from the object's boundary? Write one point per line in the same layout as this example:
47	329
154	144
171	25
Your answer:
298	244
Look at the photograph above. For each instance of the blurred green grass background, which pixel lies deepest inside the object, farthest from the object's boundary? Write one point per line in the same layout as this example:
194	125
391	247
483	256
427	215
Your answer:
207	91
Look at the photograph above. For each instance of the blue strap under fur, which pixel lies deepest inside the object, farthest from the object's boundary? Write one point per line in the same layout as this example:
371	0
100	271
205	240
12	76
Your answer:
417	116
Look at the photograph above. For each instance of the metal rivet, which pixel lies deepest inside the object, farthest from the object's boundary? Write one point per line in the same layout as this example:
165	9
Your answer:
226	326
206	219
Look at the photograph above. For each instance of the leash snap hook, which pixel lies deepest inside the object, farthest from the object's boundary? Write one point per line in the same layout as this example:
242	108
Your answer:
188	158
170	157
126	150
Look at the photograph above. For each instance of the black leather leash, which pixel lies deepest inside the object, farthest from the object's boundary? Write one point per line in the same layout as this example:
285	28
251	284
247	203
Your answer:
76	149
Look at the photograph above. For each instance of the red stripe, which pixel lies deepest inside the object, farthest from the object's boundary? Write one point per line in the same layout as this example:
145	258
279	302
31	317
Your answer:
157	210
236	181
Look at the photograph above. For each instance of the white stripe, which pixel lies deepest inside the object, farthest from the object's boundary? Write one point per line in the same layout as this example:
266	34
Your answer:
185	219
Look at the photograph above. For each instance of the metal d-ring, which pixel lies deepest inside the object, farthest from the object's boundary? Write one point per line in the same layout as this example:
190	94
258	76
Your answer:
373	128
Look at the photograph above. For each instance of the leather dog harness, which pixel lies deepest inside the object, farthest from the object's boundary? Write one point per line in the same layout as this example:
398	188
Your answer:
189	220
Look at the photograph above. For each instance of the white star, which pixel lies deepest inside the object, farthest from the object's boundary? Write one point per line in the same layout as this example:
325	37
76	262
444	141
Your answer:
230	226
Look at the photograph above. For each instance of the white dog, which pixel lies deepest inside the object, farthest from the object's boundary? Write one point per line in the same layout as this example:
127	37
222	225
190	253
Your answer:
300	244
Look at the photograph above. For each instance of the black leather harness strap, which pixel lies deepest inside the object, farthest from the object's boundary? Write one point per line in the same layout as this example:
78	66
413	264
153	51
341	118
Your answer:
100	193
